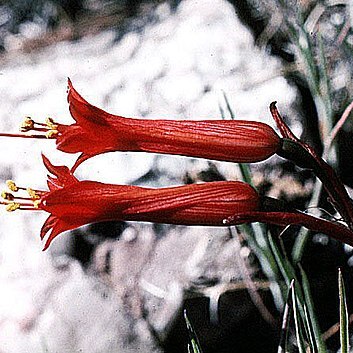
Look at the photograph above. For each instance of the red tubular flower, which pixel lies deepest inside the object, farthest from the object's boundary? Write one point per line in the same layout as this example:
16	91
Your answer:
96	131
72	203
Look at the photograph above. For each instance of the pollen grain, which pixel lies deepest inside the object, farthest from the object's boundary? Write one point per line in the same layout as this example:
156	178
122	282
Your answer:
51	124
11	185
7	196
33	194
12	206
51	133
27	124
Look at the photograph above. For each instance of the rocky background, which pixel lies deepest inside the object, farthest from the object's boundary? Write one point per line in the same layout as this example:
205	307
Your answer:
117	287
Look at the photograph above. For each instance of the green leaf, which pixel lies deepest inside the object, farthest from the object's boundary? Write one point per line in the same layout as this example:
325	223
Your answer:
298	326
283	343
245	173
311	317
230	110
194	345
284	265
221	110
325	87
309	330
299	244
344	336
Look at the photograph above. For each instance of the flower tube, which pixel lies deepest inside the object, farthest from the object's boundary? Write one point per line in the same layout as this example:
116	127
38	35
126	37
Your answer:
72	203
96	131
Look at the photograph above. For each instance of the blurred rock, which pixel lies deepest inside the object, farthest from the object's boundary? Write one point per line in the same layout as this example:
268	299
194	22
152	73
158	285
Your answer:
152	276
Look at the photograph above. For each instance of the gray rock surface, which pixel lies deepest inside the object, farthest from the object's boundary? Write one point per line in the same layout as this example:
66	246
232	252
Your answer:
177	67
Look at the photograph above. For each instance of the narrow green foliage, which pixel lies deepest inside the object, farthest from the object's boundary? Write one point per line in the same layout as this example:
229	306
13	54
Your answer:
325	87
245	173
315	73
283	343
299	244
319	345
303	236
221	110
229	108
283	263
309	330
297	322
289	275
194	344
344	335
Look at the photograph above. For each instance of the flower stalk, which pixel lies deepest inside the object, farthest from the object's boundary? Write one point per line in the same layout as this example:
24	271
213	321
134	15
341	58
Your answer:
305	156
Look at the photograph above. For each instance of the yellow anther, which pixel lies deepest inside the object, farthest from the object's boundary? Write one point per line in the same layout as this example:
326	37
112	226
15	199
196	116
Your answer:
51	133
32	193
51	123
11	185
13	206
7	196
36	203
27	124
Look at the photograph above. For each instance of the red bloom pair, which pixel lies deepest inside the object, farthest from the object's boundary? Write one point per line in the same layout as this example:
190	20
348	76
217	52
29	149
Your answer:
72	203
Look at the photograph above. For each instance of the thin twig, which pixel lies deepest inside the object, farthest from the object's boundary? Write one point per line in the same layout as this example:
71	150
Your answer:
336	129
343	34
270	30
334	329
252	289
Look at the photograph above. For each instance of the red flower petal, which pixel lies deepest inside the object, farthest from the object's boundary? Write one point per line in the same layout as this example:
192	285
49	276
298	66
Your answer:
226	140
62	173
86	202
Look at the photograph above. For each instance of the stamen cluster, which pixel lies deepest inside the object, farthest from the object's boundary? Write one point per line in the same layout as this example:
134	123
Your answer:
15	202
48	130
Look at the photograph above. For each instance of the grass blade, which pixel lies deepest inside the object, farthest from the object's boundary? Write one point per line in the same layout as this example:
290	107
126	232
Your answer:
245	173
297	322
282	346
312	319
229	108
344	336
221	110
309	330
194	345
284	265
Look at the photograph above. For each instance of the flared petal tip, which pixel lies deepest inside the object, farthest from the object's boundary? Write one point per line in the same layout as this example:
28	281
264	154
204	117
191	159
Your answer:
55	226
64	176
83	157
69	87
45	159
